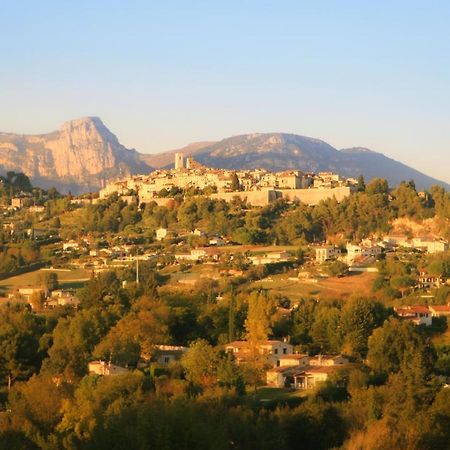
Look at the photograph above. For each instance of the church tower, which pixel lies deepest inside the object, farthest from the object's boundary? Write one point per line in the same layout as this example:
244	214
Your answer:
179	162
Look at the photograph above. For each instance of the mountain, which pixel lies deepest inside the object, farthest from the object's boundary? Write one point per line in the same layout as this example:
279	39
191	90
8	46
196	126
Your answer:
165	159
81	156
281	151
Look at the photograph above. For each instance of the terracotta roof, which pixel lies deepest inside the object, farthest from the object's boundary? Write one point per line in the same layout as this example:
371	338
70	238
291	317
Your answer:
327	357
323	369
415	309
291	370
440	308
246	343
293	356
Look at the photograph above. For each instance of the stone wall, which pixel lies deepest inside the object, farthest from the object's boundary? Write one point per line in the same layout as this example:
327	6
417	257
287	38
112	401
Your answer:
314	196
266	196
254	198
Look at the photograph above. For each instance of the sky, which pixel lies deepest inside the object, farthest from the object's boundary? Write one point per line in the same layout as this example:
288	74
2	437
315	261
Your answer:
162	74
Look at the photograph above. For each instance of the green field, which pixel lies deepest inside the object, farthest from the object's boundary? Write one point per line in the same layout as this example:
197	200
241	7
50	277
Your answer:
270	397
72	279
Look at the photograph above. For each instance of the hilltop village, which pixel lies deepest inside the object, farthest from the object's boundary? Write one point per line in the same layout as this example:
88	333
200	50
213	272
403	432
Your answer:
257	187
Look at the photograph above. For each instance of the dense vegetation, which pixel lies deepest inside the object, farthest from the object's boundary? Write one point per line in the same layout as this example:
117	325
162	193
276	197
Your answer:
369	211
207	401
391	396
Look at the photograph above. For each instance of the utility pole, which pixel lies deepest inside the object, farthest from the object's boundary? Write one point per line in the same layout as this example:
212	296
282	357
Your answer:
137	269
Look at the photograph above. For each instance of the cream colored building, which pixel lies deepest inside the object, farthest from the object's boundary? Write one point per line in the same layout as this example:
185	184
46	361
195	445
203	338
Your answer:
161	234
304	372
365	249
104	368
272	349
327	252
270	258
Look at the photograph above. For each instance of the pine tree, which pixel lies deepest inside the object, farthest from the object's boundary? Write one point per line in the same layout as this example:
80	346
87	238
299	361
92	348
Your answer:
235	185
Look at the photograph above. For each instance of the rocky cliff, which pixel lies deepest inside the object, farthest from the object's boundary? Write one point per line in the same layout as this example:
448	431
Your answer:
80	156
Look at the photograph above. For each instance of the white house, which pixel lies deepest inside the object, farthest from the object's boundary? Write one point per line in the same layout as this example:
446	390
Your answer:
420	315
315	374
355	251
165	354
327	360
440	310
270	258
272	349
70	245
161	234
303	372
283	376
437	246
293	359
326	252
104	368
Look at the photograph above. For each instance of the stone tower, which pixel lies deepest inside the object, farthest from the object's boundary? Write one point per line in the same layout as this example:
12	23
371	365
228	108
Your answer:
179	162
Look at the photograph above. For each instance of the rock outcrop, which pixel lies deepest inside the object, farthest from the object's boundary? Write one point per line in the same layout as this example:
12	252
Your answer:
81	156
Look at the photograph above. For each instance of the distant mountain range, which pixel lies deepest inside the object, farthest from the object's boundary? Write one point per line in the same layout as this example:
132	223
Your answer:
83	155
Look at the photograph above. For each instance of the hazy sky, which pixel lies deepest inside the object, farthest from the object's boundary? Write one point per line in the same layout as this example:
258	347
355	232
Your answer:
163	74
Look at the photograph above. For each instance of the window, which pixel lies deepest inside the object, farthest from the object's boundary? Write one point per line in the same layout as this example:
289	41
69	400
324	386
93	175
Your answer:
276	351
166	359
284	351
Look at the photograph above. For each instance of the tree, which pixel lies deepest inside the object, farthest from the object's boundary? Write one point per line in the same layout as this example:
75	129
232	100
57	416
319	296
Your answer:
97	404
235	185
74	339
361	186
229	374
200	363
56	222
36	406
326	331
399	346
437	435
402	283
232	316
257	325
303	319
335	268
37	300
20	332
136	333
49	281
377	186
360	316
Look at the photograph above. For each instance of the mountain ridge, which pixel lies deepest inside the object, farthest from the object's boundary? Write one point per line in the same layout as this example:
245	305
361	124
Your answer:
285	151
83	155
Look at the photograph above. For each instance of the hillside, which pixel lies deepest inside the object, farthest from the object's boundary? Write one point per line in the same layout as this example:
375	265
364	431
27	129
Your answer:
81	156
281	151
